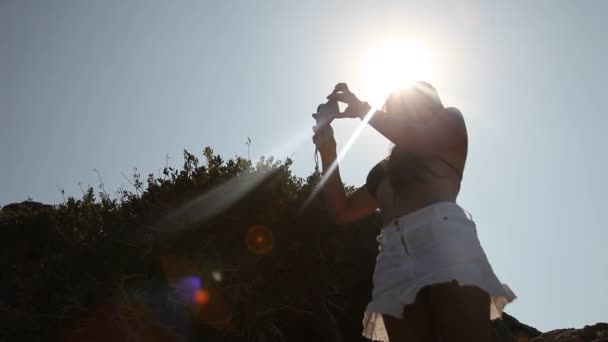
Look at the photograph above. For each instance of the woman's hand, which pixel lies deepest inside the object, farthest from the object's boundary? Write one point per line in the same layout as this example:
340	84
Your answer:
355	107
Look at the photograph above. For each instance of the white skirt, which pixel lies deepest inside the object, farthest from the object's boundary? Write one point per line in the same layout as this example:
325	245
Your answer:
436	244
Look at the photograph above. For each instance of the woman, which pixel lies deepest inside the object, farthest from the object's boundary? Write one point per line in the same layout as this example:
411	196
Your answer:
432	280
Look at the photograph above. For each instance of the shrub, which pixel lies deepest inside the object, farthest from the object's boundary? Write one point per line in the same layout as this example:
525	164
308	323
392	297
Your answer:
223	251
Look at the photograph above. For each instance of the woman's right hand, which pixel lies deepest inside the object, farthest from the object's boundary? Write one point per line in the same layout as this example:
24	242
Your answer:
324	138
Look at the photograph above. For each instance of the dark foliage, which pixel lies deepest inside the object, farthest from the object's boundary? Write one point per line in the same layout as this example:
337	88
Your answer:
117	269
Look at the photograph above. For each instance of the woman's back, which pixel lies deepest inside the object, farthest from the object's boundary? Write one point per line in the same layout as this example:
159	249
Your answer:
413	182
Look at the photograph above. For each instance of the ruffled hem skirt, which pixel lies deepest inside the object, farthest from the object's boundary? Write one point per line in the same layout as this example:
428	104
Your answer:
436	244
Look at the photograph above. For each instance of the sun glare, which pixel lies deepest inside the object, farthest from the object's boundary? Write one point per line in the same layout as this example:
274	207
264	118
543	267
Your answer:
393	65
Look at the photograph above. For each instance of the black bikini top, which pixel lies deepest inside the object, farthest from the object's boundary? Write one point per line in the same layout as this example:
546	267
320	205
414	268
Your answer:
378	172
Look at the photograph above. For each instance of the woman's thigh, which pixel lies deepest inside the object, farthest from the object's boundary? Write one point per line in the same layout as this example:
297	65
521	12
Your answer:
460	313
416	322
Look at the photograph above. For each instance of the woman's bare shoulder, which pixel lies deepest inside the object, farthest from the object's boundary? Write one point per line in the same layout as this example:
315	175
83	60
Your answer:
454	114
452	122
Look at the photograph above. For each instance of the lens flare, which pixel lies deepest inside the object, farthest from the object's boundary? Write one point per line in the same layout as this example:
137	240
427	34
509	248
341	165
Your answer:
201	297
213	202
217	276
259	239
188	287
339	158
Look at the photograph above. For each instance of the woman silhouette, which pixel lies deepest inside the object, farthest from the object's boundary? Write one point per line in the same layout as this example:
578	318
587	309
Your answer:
432	280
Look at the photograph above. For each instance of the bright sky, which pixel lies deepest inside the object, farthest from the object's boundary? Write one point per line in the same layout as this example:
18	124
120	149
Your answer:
112	85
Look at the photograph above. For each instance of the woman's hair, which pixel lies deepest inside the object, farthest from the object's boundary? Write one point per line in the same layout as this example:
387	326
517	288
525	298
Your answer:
421	97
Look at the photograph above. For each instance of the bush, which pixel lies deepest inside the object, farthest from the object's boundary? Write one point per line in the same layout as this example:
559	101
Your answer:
224	251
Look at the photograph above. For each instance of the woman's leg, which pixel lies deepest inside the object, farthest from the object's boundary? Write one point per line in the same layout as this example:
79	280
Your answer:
416	323
460	313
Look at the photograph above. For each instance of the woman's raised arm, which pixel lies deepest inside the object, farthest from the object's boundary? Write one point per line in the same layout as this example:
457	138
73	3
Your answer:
418	133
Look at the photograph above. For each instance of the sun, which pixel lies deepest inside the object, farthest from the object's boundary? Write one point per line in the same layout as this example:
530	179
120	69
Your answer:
394	65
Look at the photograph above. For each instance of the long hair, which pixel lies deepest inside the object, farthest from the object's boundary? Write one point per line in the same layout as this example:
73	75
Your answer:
419	99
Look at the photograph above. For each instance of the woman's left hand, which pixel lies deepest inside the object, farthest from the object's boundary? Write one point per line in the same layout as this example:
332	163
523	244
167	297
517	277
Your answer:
355	107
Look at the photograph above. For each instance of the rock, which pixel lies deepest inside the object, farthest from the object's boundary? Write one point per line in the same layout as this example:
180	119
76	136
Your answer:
27	205
590	333
509	329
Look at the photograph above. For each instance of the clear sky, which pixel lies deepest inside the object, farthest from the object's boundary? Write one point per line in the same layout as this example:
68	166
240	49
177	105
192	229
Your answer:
112	85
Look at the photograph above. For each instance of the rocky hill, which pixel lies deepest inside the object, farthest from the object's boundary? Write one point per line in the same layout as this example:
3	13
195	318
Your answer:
509	329
590	333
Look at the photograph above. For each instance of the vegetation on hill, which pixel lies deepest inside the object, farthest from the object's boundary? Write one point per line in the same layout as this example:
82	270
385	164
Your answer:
222	251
